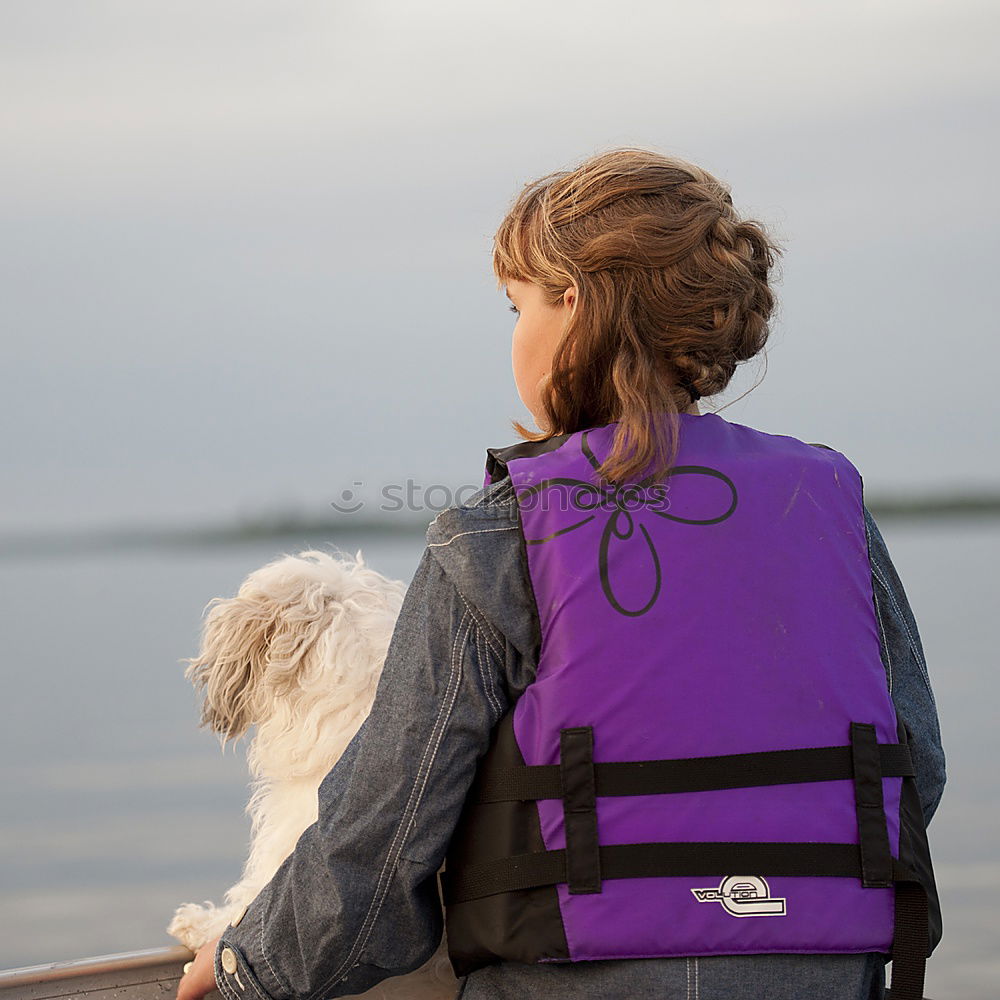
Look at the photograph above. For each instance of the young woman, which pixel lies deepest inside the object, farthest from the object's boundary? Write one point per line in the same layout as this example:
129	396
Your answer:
639	583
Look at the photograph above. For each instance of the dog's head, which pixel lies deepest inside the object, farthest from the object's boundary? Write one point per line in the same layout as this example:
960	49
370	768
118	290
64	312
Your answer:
297	625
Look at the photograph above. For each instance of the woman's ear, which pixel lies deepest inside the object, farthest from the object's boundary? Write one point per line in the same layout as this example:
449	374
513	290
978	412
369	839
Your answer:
569	297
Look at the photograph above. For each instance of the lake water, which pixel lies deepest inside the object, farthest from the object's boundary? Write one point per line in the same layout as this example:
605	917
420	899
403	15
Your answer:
116	807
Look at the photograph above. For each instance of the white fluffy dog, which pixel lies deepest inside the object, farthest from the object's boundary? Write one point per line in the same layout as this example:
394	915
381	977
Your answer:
297	653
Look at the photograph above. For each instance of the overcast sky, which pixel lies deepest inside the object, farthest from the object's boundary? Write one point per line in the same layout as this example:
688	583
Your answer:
245	246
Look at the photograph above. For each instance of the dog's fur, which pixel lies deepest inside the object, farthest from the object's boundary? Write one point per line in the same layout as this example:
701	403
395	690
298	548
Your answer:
297	653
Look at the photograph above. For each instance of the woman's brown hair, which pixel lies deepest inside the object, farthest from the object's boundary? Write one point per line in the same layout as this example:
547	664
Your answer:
672	295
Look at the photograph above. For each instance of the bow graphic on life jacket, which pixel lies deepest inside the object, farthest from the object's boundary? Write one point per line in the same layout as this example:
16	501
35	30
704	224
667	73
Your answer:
620	502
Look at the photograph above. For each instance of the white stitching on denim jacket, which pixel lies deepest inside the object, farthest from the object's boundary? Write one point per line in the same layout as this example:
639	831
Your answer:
403	829
274	975
878	610
487	499
488	630
227	991
486	676
257	989
914	646
477	531
885	641
687	971
491	636
902	620
492	678
504	493
501	498
483	624
456	658
369	922
500	491
226	988
696	978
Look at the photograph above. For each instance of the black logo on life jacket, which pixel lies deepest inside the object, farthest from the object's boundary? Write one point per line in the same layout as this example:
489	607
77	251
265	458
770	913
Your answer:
743	896
621	502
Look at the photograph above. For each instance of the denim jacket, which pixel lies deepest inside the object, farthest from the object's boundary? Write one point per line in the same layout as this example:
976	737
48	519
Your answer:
357	901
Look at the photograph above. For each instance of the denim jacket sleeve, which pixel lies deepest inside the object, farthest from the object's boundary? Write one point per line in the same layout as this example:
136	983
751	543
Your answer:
357	900
906	671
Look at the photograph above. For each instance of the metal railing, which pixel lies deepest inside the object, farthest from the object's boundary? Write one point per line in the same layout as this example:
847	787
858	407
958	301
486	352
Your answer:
130	975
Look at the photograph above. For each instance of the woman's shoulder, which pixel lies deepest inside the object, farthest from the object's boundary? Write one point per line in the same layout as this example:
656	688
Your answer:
492	508
479	546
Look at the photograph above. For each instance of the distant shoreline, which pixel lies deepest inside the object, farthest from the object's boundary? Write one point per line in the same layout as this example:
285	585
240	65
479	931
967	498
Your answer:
342	527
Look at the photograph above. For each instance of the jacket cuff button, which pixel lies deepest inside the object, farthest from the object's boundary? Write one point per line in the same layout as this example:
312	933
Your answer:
229	960
239	916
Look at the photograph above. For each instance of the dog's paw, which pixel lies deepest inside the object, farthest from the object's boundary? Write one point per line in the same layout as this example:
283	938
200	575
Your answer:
195	925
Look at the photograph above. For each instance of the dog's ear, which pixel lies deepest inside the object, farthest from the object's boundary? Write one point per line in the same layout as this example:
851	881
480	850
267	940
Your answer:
235	644
255	645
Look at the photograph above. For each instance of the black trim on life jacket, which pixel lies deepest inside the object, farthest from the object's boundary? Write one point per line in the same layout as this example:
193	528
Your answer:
869	802
497	458
578	781
579	795
911	943
918	909
691	774
583	864
522	926
662	860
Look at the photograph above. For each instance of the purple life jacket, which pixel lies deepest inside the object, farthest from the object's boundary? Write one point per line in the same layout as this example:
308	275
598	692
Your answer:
708	761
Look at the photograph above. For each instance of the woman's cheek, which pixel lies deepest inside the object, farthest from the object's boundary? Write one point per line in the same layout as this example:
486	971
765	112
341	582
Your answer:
525	376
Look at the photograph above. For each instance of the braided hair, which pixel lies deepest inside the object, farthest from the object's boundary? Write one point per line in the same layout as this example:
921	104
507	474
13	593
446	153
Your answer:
672	294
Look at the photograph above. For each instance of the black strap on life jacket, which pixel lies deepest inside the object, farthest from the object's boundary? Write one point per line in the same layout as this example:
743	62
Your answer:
692	774
576	764
583	864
